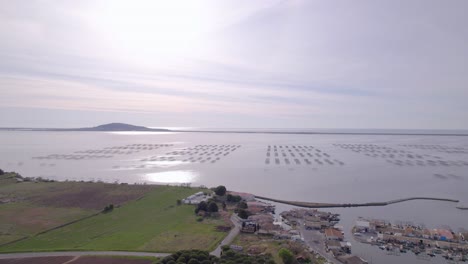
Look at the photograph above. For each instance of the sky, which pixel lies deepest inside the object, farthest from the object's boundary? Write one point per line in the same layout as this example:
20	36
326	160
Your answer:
394	64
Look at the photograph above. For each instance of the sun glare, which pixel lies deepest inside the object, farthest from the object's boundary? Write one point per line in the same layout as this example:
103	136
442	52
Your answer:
152	26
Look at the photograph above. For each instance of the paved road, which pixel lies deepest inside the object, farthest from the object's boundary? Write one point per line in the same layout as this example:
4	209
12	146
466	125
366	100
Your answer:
230	237
81	253
316	241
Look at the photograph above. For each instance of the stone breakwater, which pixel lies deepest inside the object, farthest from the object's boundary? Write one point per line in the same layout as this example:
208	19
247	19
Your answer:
331	205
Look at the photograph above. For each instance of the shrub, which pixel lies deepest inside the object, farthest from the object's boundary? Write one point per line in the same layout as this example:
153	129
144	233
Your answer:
286	256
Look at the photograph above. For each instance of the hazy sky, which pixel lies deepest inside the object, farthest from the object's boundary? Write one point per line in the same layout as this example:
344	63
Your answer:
315	64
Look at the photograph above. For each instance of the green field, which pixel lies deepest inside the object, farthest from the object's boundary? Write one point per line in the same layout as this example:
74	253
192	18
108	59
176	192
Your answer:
152	223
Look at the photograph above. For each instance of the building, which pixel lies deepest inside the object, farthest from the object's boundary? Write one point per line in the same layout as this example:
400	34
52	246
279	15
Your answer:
196	198
443	234
333	244
333	234
249	227
260	207
312	225
363	225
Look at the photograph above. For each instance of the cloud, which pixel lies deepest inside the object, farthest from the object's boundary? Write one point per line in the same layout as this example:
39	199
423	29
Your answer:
390	64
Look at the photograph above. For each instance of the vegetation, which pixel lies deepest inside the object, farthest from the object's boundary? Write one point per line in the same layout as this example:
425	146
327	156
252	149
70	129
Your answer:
242	213
286	256
108	208
152	223
231	256
220	190
261	245
233	198
202	206
1	172
190	257
242	205
210	207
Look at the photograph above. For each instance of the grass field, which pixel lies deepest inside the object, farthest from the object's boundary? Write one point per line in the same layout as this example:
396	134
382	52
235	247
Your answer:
31	207
153	223
82	260
266	246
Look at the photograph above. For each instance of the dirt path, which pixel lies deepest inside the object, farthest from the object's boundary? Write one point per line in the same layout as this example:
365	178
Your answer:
230	237
81	253
71	260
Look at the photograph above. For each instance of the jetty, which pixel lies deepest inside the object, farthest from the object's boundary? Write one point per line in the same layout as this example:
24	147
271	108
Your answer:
332	205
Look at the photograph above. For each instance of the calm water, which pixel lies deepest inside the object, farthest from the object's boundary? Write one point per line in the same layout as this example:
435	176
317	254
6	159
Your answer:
321	168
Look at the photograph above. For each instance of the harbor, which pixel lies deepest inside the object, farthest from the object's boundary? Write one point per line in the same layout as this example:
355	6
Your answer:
423	242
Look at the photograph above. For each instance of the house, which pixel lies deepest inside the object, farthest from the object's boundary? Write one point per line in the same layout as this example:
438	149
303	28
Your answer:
333	244
333	234
196	198
260	207
443	234
312	225
249	227
363	226
346	247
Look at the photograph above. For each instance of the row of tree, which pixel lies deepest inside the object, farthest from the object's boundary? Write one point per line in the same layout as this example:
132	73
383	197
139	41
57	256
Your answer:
228	256
210	207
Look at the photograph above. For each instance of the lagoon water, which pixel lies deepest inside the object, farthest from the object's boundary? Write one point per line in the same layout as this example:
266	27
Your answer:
310	167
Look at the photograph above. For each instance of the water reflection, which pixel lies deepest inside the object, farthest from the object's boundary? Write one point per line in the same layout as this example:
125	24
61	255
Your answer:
179	176
136	133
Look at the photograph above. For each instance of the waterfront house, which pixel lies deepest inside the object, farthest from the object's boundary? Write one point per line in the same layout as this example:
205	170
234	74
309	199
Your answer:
363	226
443	234
312	225
333	244
256	207
333	234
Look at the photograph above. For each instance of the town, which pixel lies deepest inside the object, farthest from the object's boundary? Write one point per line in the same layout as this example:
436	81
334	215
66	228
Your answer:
407	237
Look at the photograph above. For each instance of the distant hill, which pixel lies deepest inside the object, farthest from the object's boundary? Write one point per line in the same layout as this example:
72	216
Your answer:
106	127
118	127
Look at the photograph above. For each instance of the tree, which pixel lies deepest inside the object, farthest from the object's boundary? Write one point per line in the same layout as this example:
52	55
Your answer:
193	261
108	208
220	190
233	198
202	206
286	256
243	214
179	202
224	206
242	205
212	207
1	172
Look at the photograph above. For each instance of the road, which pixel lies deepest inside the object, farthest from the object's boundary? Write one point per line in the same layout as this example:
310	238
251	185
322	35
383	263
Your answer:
316	241
81	253
230	237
